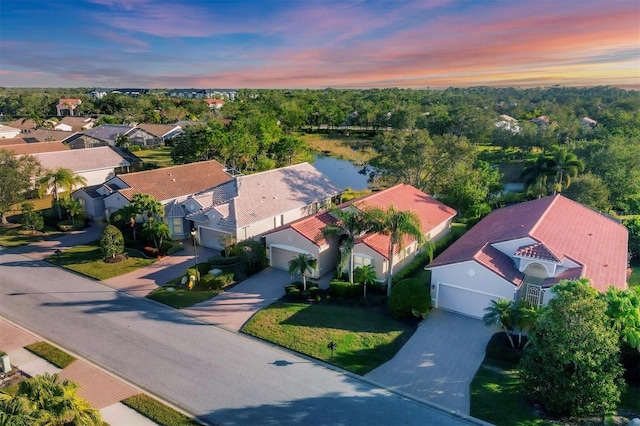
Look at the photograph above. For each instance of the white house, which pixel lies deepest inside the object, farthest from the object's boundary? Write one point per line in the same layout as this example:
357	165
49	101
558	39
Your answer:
250	205
9	132
521	251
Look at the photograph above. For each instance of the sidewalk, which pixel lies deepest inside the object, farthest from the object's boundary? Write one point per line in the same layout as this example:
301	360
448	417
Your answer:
103	390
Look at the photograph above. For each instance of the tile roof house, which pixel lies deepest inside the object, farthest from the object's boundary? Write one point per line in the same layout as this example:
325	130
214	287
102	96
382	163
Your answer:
23	124
305	235
103	135
35	148
521	251
45	135
67	106
146	134
75	124
248	206
214	103
166	185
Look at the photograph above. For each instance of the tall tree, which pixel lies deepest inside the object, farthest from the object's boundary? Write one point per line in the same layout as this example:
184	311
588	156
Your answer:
397	225
565	165
147	205
302	264
351	223
572	365
60	178
16	175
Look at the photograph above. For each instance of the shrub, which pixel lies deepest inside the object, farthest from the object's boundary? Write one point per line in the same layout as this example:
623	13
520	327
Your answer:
210	282
225	279
343	289
253	253
111	241
410	297
288	288
416	264
175	248
294	294
166	246
51	353
151	251
65	226
224	261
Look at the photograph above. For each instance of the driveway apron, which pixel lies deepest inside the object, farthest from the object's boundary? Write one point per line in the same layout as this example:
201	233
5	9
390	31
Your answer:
439	361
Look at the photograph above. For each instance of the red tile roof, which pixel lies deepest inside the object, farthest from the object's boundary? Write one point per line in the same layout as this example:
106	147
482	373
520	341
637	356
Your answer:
567	230
36	148
404	197
176	181
537	251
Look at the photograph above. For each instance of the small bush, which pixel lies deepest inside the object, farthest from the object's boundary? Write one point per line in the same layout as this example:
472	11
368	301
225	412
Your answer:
342	289
225	279
288	288
253	253
410	297
166	246
151	251
175	248
210	282
294	294
65	226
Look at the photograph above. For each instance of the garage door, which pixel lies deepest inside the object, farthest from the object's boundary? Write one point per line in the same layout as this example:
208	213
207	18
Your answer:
282	254
210	238
462	300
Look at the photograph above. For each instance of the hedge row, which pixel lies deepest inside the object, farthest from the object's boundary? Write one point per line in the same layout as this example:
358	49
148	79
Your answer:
343	289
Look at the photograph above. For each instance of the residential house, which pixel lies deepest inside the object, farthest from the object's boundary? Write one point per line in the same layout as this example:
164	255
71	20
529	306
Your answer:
8	131
251	205
74	124
23	124
35	148
11	141
507	122
589	123
146	134
542	120
67	106
214	103
45	135
305	235
521	251
103	135
166	185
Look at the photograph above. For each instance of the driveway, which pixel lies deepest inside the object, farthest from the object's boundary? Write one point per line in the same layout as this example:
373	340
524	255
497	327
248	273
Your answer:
439	361
232	308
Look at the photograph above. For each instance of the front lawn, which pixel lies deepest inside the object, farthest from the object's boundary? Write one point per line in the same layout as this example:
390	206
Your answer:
14	235
160	157
88	260
365	338
157	411
181	297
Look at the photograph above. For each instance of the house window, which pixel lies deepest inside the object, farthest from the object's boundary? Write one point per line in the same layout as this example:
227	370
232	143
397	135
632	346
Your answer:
359	260
177	225
534	294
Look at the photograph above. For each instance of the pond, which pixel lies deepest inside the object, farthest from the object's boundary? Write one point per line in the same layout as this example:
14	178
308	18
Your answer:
344	173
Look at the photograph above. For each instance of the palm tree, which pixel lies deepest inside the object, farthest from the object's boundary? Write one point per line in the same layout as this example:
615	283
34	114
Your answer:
396	224
367	276
156	231
565	166
524	316
145	203
536	170
498	313
302	263
351	223
17	411
53	402
60	178
129	213
73	209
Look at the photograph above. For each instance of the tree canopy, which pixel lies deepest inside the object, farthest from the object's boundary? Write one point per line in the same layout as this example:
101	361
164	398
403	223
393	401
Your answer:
17	175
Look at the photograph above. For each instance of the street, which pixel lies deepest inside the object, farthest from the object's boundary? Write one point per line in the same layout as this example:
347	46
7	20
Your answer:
219	376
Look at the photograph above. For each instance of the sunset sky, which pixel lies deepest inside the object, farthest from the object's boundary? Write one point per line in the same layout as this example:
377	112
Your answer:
318	44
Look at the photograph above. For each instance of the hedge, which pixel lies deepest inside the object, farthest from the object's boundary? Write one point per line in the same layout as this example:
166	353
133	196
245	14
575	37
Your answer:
410	297
224	261
345	290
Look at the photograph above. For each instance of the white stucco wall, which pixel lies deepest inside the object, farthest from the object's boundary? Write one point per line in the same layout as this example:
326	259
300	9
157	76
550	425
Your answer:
326	255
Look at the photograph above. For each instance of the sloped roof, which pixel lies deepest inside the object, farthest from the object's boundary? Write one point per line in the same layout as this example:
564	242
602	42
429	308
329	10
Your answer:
77	123
23	123
36	148
158	130
69	102
567	229
266	194
176	181
11	141
403	197
82	160
537	251
45	135
108	132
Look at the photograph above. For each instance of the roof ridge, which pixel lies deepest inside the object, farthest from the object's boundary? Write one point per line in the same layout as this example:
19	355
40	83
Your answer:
544	214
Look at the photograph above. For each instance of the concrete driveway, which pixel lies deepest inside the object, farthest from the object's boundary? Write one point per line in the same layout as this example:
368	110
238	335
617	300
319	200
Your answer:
232	308
439	361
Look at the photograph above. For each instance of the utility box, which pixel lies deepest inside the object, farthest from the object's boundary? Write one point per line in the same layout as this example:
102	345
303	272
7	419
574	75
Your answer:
6	364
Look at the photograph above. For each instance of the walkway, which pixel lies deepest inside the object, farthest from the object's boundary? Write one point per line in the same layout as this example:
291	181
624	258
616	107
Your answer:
103	390
439	361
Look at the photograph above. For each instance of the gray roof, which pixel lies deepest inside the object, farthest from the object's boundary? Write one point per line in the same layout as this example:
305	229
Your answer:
82	160
108	132
252	198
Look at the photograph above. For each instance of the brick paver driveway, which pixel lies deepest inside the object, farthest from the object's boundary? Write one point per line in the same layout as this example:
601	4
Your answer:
439	361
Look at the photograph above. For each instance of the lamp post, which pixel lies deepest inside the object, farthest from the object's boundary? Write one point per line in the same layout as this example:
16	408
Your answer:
195	251
58	252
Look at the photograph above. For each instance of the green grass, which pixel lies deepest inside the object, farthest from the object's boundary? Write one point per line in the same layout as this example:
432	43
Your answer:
158	412
365	338
497	397
55	356
356	149
88	260
180	298
158	156
14	235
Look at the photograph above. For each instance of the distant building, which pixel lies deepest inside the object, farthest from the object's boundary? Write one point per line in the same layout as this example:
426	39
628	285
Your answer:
589	123
67	106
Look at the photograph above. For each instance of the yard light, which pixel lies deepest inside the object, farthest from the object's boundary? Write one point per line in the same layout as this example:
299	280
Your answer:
58	252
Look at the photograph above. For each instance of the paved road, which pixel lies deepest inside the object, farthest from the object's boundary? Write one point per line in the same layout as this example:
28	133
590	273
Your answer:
439	361
219	376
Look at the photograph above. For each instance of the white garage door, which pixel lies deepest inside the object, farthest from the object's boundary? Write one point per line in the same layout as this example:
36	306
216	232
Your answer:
280	257
462	300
